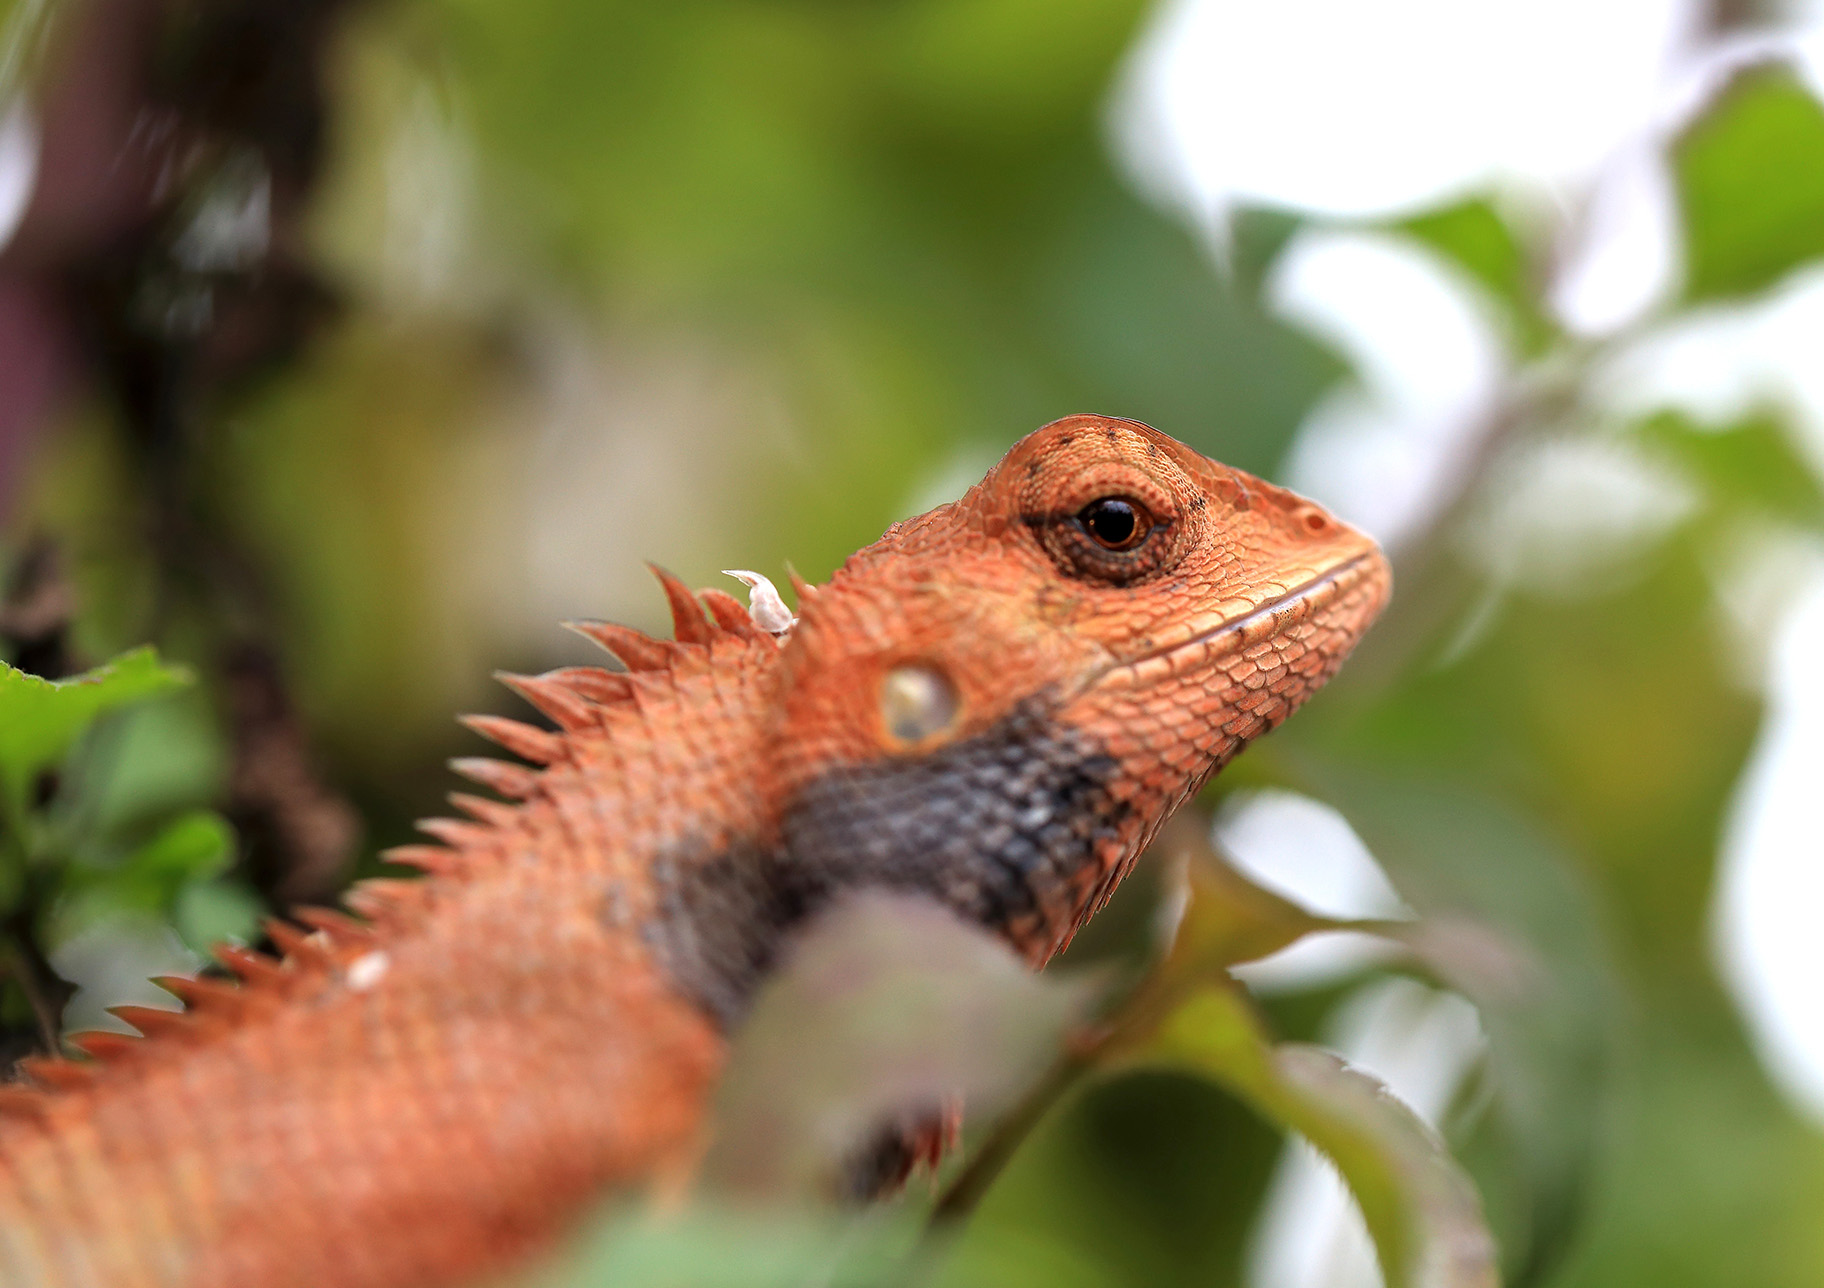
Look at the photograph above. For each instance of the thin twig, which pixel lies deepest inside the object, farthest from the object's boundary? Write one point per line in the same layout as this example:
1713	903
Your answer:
36	980
960	1199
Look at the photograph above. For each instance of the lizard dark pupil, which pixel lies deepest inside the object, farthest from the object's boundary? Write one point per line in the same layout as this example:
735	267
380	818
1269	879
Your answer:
1114	522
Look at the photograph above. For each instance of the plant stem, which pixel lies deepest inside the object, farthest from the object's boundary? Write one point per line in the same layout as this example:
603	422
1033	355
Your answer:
40	984
963	1194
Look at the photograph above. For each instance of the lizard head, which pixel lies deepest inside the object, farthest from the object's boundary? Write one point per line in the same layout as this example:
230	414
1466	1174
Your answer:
999	702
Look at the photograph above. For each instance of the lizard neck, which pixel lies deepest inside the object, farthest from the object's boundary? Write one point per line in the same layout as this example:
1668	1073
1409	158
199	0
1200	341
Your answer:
652	824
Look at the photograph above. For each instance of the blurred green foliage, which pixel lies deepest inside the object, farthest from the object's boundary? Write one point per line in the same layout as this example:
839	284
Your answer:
1751	183
726	282
1474	236
90	835
42	718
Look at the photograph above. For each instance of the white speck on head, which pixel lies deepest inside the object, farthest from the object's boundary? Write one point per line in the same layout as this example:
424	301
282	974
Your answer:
764	601
365	971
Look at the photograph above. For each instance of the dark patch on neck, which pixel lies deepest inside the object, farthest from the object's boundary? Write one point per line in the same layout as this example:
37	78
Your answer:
721	912
996	827
993	826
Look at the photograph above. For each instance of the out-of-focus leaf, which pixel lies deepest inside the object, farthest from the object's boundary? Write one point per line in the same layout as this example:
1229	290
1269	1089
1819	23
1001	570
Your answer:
1134	319
24	27
888	1006
1473	236
1257	234
1503	922
41	719
208	913
713	1246
1149	1179
1186	1017
193	847
1146	1180
1754	464
146	763
1421	1210
1002	68
1750	176
1228	918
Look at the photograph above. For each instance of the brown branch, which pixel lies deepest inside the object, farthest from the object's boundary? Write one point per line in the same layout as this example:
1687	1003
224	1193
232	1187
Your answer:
44	989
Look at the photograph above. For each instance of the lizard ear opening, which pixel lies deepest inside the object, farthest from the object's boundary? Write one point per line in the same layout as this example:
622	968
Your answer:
918	705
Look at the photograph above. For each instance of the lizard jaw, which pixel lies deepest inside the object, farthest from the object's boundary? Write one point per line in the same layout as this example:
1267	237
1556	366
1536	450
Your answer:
1218	636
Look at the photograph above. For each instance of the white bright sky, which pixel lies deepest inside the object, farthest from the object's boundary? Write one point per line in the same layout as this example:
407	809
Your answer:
1347	108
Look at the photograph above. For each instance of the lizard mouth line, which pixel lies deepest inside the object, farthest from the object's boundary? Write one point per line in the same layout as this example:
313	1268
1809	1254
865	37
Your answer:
1238	632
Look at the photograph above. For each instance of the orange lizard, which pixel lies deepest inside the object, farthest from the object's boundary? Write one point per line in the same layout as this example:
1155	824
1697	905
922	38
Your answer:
997	705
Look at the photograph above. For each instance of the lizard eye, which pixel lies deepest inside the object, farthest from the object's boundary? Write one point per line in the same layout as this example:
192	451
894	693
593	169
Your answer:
1109	522
1115	522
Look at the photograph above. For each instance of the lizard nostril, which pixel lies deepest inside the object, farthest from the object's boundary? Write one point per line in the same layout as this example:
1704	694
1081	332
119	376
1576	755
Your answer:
1315	520
917	702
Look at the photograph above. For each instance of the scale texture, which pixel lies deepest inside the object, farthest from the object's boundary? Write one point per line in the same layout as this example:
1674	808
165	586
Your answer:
997	704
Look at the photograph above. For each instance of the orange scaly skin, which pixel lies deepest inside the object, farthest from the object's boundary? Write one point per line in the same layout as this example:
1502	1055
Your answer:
987	705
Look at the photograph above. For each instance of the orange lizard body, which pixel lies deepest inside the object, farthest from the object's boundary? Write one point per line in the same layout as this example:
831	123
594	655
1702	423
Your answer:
997	704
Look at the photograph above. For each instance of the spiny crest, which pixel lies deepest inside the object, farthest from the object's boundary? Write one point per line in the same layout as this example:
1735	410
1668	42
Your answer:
568	709
689	623
455	833
515	782
636	650
434	860
573	697
523	740
593	682
386	901
329	942
483	810
211	1007
294	944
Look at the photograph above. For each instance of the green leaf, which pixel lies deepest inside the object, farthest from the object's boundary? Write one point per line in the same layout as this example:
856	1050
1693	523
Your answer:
1754	464
208	913
191	848
1507	923
1257	235
24	33
888	1004
1473	236
1422	1211
146	764
1230	919
41	719
1004	68
1750	175
712	1246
